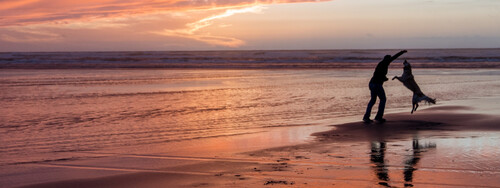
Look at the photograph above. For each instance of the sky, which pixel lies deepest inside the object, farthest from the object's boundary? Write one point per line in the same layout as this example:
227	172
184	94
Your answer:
157	25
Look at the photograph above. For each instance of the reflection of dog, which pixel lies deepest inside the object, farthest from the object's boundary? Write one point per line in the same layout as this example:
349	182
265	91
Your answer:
408	81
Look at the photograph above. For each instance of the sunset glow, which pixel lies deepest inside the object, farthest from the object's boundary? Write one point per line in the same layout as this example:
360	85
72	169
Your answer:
57	25
193	28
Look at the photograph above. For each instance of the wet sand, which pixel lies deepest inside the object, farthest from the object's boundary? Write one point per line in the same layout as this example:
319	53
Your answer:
446	145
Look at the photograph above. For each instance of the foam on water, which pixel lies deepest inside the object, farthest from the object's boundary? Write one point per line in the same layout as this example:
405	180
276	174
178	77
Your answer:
431	58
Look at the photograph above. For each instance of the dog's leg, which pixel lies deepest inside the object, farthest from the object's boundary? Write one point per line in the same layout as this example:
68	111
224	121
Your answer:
412	108
396	77
416	106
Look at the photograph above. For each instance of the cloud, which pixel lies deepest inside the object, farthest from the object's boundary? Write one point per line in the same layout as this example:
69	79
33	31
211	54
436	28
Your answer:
25	12
192	28
29	35
6	4
29	19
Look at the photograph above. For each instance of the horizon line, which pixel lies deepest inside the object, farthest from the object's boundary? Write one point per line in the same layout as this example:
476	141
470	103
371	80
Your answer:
242	50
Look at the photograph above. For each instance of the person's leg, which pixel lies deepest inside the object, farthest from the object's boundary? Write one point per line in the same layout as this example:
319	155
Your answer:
373	99
381	106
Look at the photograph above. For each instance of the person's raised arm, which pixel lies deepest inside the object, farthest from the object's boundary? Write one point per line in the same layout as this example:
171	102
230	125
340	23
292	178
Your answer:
394	57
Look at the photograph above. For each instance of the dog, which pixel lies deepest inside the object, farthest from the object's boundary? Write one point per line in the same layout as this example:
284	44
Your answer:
409	81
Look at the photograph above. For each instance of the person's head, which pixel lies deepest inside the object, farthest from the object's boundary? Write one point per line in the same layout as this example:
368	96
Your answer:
387	57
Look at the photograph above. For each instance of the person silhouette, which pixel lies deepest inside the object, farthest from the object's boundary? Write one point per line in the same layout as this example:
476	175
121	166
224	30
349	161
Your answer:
377	89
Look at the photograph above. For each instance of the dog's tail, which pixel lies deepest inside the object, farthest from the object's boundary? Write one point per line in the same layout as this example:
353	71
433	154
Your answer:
421	97
430	100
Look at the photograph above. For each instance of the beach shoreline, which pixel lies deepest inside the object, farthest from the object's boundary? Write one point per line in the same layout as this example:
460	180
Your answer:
338	155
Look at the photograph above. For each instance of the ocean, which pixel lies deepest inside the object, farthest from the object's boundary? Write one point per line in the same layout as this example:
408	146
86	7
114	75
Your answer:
428	58
55	105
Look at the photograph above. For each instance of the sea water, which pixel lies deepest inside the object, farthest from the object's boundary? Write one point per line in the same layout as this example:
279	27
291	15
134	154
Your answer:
57	103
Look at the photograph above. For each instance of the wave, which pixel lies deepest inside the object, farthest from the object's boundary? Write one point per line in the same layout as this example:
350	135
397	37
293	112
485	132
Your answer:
429	58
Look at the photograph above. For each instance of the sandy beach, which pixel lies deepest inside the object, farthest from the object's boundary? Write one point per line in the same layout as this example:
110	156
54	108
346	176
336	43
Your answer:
447	145
245	128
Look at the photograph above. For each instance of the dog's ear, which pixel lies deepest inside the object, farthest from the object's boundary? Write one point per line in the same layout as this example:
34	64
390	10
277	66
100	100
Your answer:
406	64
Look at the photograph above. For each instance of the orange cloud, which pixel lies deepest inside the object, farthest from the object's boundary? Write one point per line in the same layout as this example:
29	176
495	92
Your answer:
10	4
27	35
27	17
193	28
25	12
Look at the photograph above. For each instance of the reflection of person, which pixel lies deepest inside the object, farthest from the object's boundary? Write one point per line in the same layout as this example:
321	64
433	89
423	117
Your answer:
376	88
377	157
